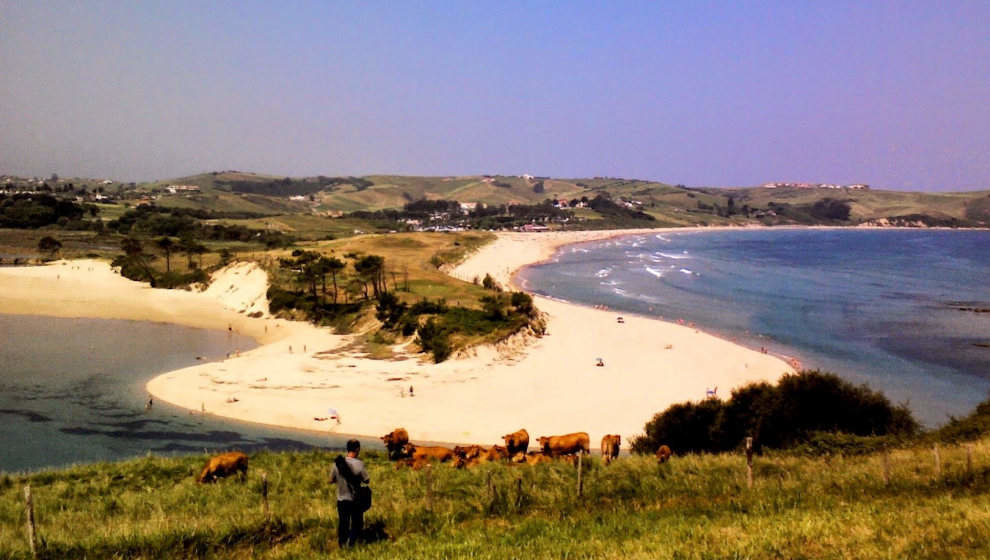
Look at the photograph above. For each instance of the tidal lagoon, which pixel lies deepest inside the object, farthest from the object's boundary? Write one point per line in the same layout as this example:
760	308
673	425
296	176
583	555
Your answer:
72	391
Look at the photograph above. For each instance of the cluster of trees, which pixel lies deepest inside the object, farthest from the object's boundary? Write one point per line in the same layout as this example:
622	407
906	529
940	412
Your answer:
448	212
326	290
135	262
330	288
30	211
149	220
788	414
500	313
604	205
289	187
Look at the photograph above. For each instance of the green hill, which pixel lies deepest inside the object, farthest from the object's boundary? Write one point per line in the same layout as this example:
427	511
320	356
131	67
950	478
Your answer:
670	205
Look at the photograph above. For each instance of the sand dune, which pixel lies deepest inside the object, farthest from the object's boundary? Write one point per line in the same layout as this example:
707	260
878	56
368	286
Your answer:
547	385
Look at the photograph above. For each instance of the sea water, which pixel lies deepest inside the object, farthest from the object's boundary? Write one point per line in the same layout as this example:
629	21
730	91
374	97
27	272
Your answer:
72	391
905	311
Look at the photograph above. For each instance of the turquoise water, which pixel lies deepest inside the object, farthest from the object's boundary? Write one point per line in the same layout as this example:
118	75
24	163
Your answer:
72	391
895	309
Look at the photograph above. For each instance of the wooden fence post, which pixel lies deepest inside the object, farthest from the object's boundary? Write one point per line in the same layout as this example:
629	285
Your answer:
264	495
428	479
938	461
30	520
580	488
519	494
886	466
749	462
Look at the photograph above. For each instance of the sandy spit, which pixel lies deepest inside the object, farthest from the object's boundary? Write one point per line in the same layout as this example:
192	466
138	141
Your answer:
548	385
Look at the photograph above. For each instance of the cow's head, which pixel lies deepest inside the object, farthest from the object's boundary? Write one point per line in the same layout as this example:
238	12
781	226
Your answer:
543	441
408	449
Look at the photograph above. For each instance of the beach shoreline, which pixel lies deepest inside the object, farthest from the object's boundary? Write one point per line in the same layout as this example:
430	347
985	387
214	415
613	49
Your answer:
547	385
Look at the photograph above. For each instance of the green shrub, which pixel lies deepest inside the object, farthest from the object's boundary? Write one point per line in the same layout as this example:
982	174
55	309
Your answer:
970	427
800	408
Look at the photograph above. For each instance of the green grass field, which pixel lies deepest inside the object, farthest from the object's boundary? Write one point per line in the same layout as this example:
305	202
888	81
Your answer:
695	506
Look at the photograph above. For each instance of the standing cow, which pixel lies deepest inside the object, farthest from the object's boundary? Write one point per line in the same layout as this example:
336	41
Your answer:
610	447
517	442
556	446
394	442
663	454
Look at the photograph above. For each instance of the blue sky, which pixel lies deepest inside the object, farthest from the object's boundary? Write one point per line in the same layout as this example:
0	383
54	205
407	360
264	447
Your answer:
894	94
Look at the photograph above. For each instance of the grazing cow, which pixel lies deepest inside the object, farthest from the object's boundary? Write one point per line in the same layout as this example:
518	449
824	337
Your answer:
517	442
663	454
555	446
610	447
423	453
223	465
394	441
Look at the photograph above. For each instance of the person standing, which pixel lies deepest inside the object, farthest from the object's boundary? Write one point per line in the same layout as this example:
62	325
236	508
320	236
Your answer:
348	474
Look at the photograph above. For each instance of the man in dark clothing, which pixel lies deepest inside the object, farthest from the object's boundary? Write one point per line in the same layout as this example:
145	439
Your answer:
350	517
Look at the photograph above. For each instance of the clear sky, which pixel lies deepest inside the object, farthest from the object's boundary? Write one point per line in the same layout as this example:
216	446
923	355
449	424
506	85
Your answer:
894	94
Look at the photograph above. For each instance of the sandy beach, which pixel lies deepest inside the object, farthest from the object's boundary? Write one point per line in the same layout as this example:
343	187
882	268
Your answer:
547	385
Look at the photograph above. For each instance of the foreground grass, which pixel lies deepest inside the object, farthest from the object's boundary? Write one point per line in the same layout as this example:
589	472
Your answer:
693	507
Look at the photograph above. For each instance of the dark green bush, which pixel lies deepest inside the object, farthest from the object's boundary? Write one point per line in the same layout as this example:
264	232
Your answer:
800	408
434	338
968	428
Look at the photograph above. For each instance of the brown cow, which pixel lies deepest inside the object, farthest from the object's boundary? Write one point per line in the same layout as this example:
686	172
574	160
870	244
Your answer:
555	446
517	442
537	457
223	465
468	451
424	453
663	454
610	447
496	453
394	441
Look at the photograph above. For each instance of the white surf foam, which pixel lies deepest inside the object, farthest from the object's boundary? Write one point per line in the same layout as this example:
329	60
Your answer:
654	272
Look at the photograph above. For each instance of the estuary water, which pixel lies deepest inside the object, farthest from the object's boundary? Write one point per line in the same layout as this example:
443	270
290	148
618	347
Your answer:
72	391
905	311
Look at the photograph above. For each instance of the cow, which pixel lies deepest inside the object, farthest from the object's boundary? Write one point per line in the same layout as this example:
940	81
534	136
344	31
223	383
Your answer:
663	454
394	441
415	464
468	452
537	457
517	442
555	446
610	447
496	453
424	453
223	465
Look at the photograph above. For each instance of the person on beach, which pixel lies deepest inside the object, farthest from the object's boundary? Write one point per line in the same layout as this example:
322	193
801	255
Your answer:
348	474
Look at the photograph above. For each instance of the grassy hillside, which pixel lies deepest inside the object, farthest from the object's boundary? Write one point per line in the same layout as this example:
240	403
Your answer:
695	506
671	205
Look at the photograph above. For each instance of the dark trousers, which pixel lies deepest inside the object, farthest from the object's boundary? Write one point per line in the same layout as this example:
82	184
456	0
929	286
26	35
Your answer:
350	521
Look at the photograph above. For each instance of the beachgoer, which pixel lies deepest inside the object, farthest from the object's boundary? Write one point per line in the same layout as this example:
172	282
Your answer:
350	517
411	391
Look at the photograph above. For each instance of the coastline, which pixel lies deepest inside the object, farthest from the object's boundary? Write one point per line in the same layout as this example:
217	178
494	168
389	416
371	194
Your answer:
547	385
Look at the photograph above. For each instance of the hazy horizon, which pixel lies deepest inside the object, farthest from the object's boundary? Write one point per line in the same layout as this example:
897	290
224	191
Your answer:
695	93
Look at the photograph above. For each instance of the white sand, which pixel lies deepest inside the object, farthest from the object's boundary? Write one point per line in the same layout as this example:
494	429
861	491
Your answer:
550	385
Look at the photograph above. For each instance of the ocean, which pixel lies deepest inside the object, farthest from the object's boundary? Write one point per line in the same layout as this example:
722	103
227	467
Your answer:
72	391
906	312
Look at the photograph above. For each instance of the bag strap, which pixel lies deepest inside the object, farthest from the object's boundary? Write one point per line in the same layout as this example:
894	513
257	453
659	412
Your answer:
353	480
